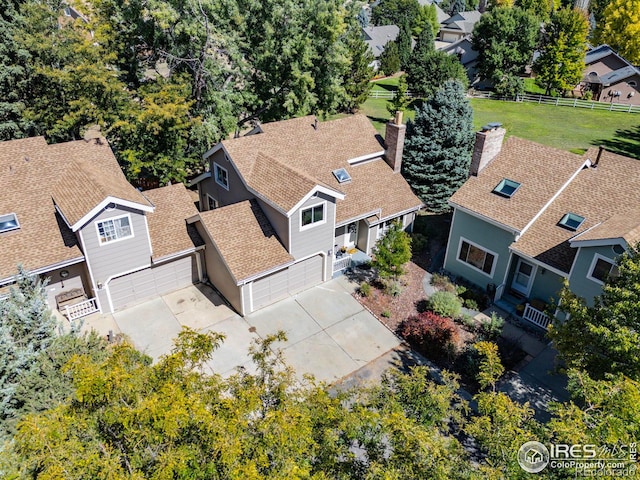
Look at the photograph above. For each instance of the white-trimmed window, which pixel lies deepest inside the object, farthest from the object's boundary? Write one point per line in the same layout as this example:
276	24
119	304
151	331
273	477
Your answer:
602	268
312	216
212	203
221	176
477	257
383	228
114	229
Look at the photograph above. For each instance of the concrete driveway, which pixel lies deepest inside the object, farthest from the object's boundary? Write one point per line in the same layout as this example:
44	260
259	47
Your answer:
329	334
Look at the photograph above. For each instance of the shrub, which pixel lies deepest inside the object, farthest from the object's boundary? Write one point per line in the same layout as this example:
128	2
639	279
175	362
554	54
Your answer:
469	322
442	282
386	314
365	289
471	304
432	335
418	242
392	288
445	304
492	328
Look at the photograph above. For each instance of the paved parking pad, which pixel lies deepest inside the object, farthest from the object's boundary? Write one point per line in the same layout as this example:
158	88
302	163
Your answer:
329	334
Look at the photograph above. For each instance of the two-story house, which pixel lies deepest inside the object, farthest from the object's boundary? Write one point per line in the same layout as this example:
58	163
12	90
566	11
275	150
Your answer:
531	216
610	77
281	202
68	213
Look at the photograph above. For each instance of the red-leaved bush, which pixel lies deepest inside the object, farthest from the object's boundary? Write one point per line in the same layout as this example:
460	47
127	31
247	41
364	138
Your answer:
430	334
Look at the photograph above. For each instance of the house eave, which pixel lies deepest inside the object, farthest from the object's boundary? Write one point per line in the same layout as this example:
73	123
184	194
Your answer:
48	268
98	208
516	233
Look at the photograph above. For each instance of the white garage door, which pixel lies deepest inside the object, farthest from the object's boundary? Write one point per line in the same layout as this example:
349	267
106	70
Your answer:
291	280
151	282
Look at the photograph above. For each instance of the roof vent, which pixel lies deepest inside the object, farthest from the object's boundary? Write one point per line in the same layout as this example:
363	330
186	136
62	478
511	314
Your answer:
9	222
341	175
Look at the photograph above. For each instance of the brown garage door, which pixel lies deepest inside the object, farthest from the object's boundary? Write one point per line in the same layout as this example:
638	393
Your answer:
288	281
151	282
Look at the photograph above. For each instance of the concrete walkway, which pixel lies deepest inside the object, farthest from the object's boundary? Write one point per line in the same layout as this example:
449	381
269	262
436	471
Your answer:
329	333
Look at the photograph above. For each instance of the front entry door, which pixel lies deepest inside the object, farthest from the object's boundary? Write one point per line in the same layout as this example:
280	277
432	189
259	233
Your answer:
522	277
352	235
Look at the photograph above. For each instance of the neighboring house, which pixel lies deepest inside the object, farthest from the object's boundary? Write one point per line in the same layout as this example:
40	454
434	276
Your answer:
610	77
530	217
463	49
69	215
377	38
282	202
458	26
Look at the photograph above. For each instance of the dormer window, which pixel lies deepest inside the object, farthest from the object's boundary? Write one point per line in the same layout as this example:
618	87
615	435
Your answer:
221	176
571	221
9	222
341	175
114	229
506	188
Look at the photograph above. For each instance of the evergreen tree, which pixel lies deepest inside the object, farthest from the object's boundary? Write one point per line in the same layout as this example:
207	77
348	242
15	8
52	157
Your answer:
392	252
429	72
389	60
438	146
404	45
357	81
400	101
562	51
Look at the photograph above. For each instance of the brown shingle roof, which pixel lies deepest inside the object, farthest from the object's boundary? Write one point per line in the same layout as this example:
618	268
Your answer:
91	173
291	157
608	197
78	175
230	226
540	170
168	228
43	239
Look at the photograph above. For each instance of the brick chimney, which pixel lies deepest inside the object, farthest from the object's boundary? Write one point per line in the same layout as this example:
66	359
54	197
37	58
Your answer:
394	142
487	147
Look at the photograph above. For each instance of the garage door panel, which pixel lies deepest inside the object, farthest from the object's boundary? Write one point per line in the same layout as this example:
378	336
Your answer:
151	282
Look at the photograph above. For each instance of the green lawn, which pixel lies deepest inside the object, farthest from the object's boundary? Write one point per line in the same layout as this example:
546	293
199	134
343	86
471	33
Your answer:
574	129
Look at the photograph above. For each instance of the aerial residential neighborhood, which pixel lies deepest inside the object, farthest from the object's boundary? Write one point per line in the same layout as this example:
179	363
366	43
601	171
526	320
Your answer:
387	239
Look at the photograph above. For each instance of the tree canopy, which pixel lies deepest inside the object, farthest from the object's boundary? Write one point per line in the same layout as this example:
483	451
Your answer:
562	50
505	39
620	28
604	338
438	146
167	79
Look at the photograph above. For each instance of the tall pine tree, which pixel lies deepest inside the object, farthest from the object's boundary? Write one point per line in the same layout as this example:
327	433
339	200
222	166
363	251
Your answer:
438	147
404	45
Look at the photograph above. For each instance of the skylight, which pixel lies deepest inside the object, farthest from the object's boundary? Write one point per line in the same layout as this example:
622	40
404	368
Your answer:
571	221
341	175
506	188
8	222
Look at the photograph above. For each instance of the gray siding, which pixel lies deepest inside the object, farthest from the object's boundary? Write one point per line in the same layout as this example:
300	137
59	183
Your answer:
318	238
578	282
218	273
117	257
546	286
484	235
237	191
279	222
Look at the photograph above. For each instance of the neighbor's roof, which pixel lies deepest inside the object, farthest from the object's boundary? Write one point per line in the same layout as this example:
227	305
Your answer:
598	53
618	75
378	37
245	258
462	21
607	197
168	228
291	157
88	173
540	170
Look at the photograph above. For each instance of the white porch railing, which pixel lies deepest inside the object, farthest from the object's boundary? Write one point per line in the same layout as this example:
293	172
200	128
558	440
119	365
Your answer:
341	263
81	309
536	316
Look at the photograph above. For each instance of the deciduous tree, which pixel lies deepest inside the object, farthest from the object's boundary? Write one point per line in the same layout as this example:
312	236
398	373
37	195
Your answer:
604	338
505	39
395	12
620	28
562	49
438	146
